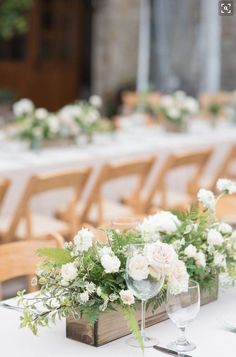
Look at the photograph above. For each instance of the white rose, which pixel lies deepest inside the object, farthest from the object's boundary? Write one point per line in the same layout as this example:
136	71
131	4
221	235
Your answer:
83	240
127	297
84	297
226	185
225	228
113	297
68	272
110	263
200	259
149	230
96	101
138	267
160	256
41	113
190	251
214	238
207	198
178	278
219	260
23	107
90	287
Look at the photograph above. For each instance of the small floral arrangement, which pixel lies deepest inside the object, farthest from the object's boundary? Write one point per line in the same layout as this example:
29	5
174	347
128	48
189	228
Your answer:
34	124
87	277
177	108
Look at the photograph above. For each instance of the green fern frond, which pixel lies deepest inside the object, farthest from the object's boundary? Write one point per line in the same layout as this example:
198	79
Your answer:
58	255
130	317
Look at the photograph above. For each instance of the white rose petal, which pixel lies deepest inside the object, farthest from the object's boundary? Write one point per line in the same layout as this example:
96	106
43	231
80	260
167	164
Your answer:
68	272
127	297
83	240
226	185
178	278
160	256
110	263
138	267
190	251
207	198
214	238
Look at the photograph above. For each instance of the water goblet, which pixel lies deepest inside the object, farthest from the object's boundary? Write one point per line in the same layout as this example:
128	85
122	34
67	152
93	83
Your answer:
182	309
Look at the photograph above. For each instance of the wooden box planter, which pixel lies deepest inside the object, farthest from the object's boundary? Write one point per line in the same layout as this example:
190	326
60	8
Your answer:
111	325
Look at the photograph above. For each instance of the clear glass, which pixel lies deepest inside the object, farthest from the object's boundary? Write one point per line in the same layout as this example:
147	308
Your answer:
126	223
182	310
143	290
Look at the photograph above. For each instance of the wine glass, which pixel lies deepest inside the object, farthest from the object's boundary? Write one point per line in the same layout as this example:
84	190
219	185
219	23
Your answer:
182	309
123	224
143	285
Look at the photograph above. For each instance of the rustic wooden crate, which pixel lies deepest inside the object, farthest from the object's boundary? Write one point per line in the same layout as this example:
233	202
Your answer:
111	325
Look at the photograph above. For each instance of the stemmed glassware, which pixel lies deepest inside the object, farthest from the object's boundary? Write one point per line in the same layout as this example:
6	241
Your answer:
182	309
143	285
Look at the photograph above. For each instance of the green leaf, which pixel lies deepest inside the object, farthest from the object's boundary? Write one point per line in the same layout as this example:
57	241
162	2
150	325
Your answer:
57	255
130	317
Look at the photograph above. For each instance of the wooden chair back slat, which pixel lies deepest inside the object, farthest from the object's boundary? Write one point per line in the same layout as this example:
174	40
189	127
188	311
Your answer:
198	159
224	169
4	185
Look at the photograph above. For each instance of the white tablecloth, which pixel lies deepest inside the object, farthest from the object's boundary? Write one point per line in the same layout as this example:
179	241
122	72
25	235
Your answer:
19	164
206	331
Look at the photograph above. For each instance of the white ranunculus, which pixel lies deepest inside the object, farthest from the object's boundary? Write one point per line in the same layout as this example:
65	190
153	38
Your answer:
68	272
226	185
160	256
200	259
162	222
90	287
23	107
214	238
83	240
127	297
96	101
110	263
84	297
138	267
190	251
219	260
41	113
178	278
207	198
225	228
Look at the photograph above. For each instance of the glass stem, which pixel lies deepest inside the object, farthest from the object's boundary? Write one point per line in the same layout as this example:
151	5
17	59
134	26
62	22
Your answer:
182	339
143	313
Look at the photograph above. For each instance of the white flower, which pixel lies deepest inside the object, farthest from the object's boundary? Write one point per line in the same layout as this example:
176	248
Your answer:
113	297
178	243
110	263
214	238
90	287
200	259
178	278
99	291
105	250
191	227
219	260
207	198
54	303
191	105
138	267
84	297
96	101
83	240
225	228
173	113
41	113
160	256
190	251
164	222
226	185
53	123
127	297
68	272
23	107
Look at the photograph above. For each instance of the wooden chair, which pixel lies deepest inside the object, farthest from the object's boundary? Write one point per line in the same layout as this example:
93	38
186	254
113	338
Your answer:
172	199
226	207
20	259
99	211
4	185
27	225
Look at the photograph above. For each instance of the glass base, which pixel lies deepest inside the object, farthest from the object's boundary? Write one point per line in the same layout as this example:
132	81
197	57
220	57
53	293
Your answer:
148	342
183	347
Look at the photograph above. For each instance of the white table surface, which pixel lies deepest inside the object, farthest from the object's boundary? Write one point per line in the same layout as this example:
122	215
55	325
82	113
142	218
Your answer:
206	331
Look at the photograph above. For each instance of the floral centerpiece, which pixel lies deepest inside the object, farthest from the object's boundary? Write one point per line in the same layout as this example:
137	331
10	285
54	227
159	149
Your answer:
176	109
34	124
87	277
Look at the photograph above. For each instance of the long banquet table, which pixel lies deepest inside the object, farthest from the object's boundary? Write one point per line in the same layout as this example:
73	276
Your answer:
18	164
207	331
